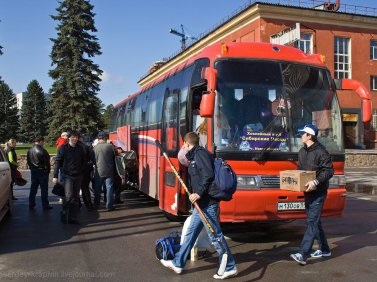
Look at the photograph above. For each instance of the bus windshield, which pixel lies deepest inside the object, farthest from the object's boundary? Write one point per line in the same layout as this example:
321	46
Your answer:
260	105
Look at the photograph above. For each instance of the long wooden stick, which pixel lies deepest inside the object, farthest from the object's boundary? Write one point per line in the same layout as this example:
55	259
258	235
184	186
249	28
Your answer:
225	254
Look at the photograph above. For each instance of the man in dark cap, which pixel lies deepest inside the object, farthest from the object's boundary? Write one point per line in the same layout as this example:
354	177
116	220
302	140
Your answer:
314	156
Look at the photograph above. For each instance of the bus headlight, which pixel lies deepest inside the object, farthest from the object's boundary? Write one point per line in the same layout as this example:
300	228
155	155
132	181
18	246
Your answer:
337	180
246	182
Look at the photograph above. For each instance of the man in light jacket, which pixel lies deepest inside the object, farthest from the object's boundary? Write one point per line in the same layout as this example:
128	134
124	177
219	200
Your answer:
104	161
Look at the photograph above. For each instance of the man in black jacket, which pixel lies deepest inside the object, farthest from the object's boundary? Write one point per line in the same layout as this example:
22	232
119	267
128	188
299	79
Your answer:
201	175
87	174
71	157
38	161
314	157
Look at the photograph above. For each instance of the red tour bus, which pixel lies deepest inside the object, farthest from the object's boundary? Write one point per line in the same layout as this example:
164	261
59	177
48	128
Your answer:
246	101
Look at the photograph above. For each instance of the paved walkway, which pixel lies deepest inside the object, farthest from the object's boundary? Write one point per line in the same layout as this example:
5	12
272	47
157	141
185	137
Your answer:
362	180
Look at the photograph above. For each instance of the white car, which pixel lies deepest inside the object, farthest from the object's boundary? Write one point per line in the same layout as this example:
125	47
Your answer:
5	191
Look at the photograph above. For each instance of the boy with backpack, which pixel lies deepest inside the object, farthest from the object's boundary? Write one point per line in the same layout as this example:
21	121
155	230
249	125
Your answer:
200	178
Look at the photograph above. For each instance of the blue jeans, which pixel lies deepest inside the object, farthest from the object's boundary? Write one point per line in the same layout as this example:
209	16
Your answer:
211	212
39	178
109	183
314	228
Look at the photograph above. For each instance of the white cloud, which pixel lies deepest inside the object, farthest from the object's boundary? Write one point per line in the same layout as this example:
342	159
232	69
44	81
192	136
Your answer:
105	77
119	79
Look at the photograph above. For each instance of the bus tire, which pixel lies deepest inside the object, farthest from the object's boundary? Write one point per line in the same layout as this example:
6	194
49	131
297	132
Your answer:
174	218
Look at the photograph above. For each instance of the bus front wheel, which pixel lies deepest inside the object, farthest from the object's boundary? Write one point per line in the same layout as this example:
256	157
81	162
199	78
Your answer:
174	218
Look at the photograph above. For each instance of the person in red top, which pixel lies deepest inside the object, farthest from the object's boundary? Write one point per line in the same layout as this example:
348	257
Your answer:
63	139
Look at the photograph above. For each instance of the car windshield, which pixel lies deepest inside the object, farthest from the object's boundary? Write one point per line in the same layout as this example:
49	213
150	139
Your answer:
260	105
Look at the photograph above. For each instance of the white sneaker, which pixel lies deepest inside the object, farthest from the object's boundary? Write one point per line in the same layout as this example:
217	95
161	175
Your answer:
169	264
319	254
227	274
298	257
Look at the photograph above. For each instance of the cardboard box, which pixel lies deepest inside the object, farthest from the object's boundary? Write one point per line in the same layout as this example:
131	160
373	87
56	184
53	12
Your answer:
295	180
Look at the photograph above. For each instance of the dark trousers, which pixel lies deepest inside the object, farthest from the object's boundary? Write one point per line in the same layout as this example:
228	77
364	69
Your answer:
71	201
39	178
314	230
13	176
117	188
85	191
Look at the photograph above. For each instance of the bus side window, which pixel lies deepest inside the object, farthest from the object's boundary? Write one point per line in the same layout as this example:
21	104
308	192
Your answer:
171	122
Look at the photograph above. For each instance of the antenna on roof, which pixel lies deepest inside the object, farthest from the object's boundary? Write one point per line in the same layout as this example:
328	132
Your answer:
183	36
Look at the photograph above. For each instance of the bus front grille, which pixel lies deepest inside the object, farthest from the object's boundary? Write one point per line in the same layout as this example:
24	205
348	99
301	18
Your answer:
270	181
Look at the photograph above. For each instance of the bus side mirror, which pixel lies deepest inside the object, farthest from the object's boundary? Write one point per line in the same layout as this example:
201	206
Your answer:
361	90
207	104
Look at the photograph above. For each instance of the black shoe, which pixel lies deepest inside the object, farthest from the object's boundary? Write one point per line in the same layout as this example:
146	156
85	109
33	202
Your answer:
111	209
31	208
14	198
63	217
74	221
118	202
47	208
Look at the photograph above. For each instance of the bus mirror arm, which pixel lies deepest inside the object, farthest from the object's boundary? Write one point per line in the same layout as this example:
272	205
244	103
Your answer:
207	104
362	91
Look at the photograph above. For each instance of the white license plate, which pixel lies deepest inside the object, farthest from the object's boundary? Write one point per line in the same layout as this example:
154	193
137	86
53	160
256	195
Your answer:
291	206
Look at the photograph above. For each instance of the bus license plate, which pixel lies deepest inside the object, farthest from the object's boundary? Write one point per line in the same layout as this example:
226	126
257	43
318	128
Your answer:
291	206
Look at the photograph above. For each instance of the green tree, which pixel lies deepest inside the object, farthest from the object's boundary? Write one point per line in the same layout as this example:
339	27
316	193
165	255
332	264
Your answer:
9	122
74	103
33	113
106	116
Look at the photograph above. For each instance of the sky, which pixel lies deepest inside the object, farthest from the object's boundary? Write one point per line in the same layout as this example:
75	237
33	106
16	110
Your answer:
132	35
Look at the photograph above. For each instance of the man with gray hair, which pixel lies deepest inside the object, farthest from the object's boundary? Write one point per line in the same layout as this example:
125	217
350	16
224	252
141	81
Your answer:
104	160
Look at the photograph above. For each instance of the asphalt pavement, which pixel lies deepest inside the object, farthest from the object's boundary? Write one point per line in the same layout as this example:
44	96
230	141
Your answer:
119	245
361	181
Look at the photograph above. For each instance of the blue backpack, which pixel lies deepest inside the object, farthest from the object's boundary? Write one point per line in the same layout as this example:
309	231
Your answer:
167	247
225	182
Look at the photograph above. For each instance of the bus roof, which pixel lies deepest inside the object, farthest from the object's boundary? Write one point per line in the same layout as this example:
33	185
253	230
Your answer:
253	50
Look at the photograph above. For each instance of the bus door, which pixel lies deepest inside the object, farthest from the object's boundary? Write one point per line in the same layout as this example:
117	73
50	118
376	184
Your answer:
197	123
170	189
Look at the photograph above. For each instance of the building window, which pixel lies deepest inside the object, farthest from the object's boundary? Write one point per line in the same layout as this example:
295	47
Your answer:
342	58
374	120
373	49
305	43
373	82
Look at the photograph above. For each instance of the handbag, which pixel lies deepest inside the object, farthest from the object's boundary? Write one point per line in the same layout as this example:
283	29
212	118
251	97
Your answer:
58	190
18	180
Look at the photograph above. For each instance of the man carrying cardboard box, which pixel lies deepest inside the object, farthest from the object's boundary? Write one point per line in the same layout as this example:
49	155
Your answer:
314	156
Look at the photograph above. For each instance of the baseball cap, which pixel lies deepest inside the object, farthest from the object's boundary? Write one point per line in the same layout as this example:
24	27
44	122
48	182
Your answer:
64	134
310	129
101	134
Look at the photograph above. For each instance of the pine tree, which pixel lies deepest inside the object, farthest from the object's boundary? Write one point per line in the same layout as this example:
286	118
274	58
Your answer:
33	113
9	122
74	103
106	116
